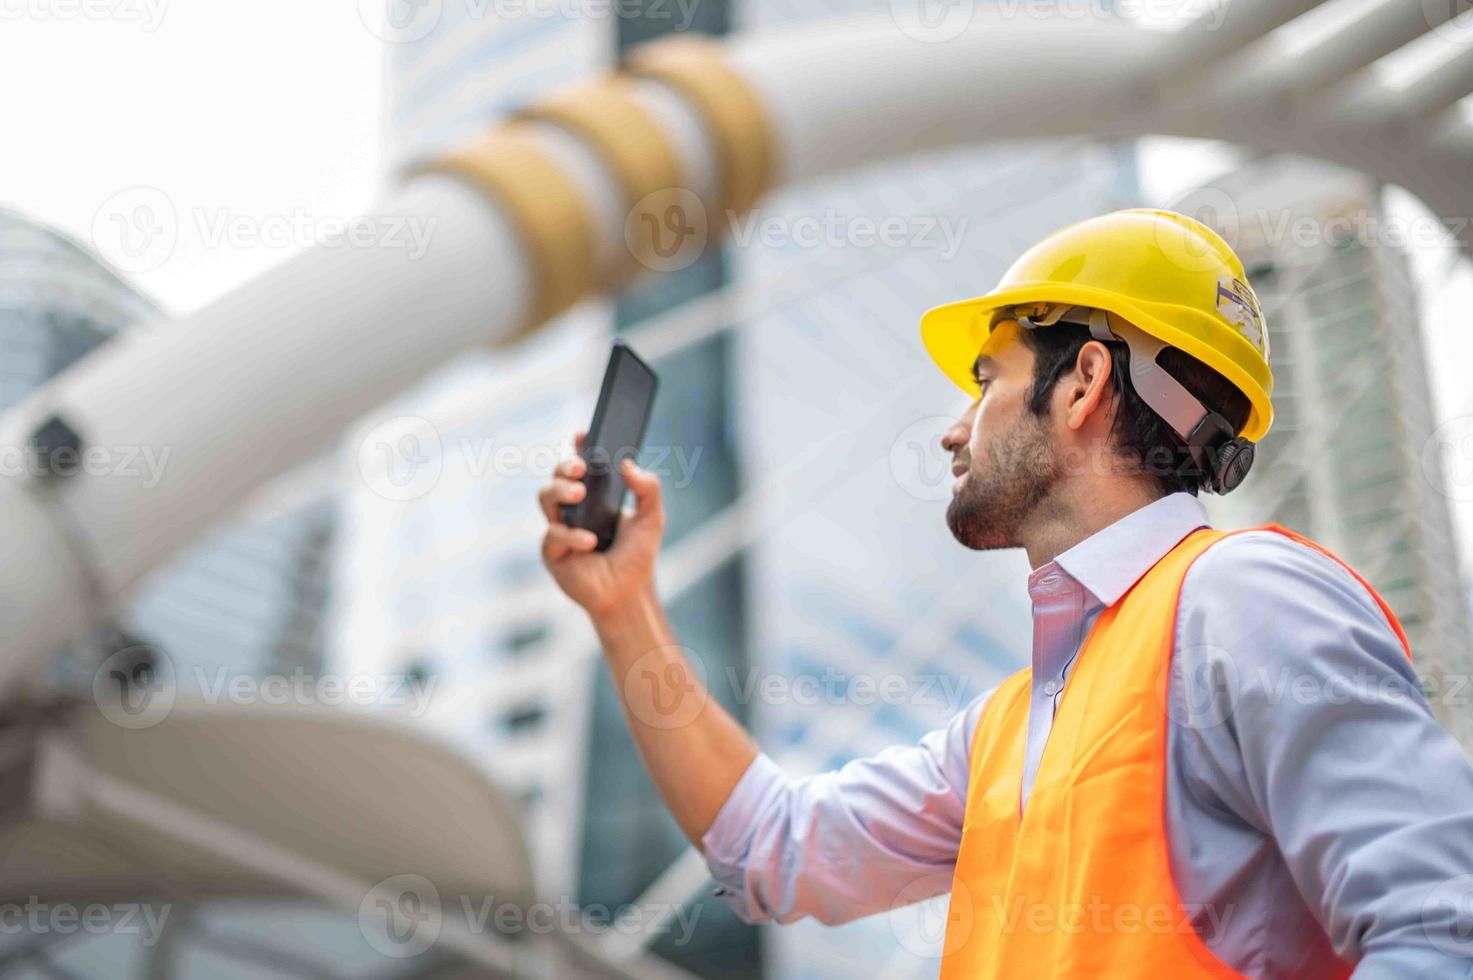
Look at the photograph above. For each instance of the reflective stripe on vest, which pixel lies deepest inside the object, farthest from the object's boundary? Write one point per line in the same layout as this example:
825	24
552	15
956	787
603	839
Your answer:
1079	884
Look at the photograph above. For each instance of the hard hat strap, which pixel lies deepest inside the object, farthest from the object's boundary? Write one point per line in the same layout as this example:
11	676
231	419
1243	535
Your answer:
1206	434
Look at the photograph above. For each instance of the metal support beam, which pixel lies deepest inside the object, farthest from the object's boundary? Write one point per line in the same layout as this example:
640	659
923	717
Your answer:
1225	29
1267	75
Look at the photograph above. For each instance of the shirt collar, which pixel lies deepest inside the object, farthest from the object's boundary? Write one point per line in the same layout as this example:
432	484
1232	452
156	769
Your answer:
1110	561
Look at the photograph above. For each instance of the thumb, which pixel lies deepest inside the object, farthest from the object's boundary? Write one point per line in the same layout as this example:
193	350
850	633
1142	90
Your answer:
648	506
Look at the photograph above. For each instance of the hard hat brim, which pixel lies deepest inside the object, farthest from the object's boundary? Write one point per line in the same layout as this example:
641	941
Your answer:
955	333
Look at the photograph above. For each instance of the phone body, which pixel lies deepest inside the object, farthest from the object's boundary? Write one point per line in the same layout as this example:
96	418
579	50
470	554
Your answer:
625	400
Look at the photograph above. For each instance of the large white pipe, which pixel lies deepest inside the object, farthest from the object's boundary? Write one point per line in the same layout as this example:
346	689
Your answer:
189	416
265	377
1270	74
44	589
253	383
861	91
850	92
1221	30
247	388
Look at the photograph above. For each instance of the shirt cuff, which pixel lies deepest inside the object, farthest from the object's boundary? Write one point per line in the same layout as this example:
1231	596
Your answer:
727	843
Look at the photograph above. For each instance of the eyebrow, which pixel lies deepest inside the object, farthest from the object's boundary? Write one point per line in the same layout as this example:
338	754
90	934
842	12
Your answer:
982	363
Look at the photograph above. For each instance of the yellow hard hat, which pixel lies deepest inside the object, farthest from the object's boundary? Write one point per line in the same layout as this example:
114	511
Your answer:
1169	275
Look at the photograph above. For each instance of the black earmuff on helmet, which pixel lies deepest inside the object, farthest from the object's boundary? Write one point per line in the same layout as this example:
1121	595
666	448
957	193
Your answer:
1222	458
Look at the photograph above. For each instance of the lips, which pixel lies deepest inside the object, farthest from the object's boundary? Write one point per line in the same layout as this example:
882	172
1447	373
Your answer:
959	469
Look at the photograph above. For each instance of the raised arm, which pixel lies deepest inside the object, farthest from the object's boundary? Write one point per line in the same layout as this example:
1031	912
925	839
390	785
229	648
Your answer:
878	833
834	846
694	750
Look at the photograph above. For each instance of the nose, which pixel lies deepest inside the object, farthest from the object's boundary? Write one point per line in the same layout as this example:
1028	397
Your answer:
959	433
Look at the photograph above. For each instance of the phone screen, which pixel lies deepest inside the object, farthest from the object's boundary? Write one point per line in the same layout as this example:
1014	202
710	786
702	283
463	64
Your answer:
616	434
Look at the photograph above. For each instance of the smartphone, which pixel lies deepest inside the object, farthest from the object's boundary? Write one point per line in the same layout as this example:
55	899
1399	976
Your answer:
616	434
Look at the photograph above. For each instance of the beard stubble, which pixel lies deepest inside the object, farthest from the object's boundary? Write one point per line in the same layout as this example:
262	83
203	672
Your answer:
1022	470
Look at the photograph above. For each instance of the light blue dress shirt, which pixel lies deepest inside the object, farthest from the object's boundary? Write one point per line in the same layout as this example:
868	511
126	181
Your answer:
1313	803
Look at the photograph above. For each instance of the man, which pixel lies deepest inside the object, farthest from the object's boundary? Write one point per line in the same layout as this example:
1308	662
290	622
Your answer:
1219	762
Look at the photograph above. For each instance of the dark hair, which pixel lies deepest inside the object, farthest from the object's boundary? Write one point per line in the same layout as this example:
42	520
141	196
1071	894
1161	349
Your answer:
1140	434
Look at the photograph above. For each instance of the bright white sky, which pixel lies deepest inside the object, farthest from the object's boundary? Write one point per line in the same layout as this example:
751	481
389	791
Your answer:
259	121
265	111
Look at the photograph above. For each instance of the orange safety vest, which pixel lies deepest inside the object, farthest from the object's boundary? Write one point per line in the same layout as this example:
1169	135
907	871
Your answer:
1079	883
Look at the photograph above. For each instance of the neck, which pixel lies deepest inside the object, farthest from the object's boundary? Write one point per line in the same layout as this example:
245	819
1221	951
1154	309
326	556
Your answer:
1072	513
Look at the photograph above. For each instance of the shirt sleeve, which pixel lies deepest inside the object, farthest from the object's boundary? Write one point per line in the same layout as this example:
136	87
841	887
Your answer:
840	845
1314	729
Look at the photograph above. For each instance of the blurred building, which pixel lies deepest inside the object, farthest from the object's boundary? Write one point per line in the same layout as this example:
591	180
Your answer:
1347	460
248	600
454	69
59	302
445	577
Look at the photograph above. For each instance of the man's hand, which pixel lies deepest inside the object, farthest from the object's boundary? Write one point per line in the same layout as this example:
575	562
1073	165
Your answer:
696	763
602	582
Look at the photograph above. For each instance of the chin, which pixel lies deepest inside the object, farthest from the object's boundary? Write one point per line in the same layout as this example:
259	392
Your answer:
972	531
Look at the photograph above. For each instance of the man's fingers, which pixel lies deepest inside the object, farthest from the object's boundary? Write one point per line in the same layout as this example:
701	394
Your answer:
646	489
573	468
578	439
567	491
557	493
562	540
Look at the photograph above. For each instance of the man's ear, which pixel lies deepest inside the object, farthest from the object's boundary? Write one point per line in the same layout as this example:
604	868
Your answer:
1088	390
